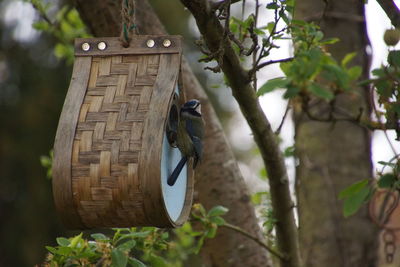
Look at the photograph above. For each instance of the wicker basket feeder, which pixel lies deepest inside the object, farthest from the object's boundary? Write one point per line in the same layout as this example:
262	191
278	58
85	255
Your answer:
112	156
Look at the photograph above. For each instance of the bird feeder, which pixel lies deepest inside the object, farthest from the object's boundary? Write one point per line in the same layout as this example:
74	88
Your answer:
113	152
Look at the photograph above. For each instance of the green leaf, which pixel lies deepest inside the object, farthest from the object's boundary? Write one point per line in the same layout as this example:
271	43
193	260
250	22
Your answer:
119	258
352	189
258	197
336	74
387	180
45	161
128	245
157	261
390	164
289	152
99	236
378	72
329	41
51	249
354	72
199	245
283	16
62	241
272	6
320	91
233	26
394	58
217	211
136	263
347	58
270	27
263	174
64	251
259	32
194	233
353	203
299	22
396	108
291	92
273	84
75	240
41	26
217	220
384	88
211	232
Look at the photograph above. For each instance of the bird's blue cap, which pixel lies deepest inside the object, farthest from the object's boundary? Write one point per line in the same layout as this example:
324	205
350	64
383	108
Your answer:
192	104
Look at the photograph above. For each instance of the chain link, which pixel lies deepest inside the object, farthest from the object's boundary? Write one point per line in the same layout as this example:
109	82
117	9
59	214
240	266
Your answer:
389	239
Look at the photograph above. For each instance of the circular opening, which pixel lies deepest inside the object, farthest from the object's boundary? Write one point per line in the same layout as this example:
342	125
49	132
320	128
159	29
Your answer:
172	125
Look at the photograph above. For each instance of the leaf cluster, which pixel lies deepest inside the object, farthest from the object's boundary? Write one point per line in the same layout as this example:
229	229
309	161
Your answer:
210	222
64	27
361	192
138	246
386	84
313	72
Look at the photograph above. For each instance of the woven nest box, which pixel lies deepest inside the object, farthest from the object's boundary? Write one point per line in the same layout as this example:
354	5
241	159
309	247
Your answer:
112	156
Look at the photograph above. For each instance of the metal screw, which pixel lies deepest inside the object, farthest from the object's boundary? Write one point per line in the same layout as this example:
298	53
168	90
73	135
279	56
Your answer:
85	46
102	46
150	43
167	43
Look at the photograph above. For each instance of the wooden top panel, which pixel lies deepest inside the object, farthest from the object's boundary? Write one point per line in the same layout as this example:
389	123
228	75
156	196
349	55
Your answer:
138	45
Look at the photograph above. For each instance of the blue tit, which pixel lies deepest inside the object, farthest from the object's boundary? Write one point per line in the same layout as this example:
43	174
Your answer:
189	136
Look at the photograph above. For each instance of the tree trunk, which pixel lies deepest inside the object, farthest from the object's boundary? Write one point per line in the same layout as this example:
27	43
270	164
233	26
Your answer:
333	156
218	178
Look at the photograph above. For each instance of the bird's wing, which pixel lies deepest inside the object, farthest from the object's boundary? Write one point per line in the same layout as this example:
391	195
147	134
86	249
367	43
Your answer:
195	139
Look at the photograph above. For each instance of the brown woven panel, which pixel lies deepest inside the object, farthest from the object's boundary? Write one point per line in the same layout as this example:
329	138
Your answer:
107	144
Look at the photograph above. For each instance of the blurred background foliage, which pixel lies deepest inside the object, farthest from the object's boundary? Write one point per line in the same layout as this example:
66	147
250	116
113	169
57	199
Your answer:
33	84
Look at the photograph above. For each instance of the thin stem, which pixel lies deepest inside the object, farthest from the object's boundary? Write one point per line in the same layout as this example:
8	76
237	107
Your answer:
272	250
269	62
278	131
255	51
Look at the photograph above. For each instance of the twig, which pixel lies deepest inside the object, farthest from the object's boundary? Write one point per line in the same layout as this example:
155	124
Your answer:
254	38
273	251
42	12
254	47
391	11
269	62
278	131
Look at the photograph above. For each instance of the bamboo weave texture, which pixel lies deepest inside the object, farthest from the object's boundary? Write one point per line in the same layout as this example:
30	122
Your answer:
107	144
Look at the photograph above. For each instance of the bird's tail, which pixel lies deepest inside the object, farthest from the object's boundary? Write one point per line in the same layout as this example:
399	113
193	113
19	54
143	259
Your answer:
175	174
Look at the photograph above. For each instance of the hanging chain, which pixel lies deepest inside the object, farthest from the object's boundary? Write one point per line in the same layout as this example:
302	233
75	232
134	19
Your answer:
128	25
382	218
389	245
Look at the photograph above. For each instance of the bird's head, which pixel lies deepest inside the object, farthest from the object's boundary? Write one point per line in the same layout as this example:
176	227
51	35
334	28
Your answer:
192	106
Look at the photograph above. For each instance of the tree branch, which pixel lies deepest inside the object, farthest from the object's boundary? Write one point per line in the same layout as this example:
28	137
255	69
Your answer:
391	11
286	230
270	62
219	4
273	251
